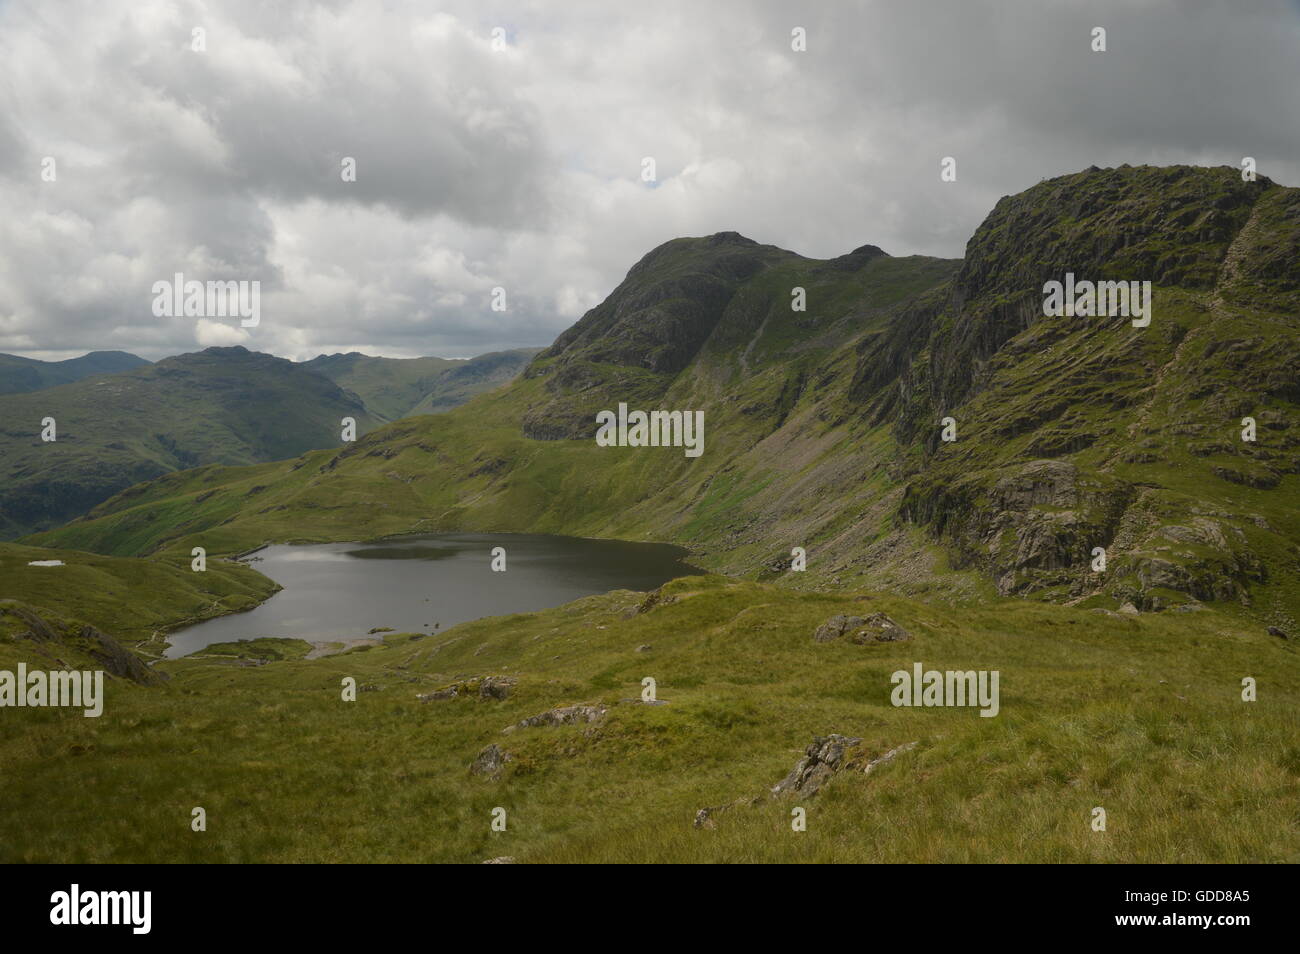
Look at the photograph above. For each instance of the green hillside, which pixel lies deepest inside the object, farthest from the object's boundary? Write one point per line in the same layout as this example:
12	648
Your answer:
218	406
138	601
823	427
19	374
1141	716
393	388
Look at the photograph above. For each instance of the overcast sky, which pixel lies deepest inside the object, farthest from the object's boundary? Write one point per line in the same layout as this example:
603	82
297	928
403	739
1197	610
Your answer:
522	167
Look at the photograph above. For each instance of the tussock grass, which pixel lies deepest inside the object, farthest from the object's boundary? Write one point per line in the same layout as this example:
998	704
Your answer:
1141	716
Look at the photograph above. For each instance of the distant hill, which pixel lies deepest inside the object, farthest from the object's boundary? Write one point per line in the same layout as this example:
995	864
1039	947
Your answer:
394	388
219	406
18	374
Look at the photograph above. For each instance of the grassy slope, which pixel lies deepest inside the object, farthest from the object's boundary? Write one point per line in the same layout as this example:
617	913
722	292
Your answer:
19	374
135	600
389	387
1140	716
393	388
224	406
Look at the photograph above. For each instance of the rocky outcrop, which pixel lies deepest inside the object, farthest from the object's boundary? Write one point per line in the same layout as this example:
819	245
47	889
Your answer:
822	759
1033	527
496	687
490	762
488	687
561	715
887	757
875	628
825	757
103	649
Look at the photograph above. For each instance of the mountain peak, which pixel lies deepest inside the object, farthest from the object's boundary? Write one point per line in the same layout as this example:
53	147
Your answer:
728	238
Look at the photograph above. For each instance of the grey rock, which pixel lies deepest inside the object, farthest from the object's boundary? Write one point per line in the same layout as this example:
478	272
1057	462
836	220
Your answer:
876	628
495	687
490	761
562	715
704	818
835	627
888	757
879	628
449	693
821	760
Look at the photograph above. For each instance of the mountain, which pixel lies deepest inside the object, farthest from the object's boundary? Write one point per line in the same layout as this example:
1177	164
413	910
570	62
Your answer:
393	388
19	374
823	427
218	406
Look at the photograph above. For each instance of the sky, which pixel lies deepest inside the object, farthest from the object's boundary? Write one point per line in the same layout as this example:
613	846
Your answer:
503	145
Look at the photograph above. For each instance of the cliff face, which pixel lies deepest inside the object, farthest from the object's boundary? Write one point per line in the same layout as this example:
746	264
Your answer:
824	425
1087	432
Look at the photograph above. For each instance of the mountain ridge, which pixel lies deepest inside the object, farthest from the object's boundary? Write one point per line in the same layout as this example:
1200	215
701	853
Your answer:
19	374
824	425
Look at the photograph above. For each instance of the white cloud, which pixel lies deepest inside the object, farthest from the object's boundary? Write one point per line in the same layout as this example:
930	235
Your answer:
210	334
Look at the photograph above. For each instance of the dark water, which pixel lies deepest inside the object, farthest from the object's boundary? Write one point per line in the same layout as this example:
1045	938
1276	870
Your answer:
338	591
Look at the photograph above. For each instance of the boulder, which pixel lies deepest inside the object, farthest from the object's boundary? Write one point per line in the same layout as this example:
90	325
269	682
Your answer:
835	627
495	687
876	628
821	760
561	715
490	761
879	628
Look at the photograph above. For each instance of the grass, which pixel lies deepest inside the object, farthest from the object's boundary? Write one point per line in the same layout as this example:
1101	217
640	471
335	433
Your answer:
1141	716
135	600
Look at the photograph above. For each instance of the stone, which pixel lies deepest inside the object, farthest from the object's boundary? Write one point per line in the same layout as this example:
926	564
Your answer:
490	761
495	687
835	627
448	693
879	628
562	715
876	628
821	760
888	757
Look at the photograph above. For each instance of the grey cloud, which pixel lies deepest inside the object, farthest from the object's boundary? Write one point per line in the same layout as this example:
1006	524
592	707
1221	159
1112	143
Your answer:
520	168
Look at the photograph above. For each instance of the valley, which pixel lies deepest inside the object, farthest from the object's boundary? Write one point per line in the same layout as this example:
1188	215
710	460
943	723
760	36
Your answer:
1158	680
